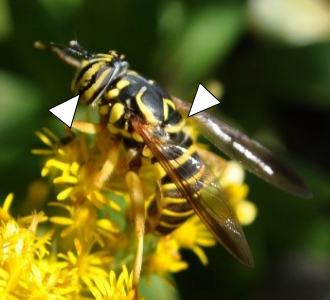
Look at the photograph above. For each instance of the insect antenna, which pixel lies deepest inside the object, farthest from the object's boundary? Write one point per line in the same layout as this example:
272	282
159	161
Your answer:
65	53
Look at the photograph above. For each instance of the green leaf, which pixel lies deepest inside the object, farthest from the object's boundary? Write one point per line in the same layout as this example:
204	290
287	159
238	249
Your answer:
19	102
6	26
207	38
60	9
154	287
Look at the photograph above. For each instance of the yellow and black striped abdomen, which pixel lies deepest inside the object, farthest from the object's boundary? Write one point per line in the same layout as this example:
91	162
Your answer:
171	206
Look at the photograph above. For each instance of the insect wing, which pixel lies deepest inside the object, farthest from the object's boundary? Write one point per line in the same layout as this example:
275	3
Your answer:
253	156
210	203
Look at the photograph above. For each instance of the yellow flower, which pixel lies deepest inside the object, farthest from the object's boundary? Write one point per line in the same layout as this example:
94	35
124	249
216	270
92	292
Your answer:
20	252
84	223
49	279
49	139
4	210
114	288
21	243
166	258
75	165
27	220
193	234
232	180
87	265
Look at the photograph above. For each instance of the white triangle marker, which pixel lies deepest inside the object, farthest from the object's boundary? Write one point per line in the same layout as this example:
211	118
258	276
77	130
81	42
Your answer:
202	101
66	110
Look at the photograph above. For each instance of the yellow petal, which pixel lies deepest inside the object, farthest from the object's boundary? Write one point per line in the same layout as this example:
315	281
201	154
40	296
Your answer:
236	192
107	225
51	134
65	179
246	212
44	138
42	151
200	254
233	173
64	194
8	201
61	220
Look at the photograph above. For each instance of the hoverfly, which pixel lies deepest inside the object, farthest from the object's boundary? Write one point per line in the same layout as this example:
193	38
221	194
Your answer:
151	124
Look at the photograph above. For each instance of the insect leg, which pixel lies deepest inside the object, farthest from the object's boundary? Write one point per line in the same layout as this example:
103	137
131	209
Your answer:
108	165
88	127
137	202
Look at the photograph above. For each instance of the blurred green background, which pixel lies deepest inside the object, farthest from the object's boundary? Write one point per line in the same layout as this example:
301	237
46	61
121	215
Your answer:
273	60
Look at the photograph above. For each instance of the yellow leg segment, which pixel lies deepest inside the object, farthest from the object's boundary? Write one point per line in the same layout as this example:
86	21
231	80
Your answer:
108	166
87	127
137	202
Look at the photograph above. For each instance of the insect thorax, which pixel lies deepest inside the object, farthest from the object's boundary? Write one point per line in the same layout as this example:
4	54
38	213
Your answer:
121	94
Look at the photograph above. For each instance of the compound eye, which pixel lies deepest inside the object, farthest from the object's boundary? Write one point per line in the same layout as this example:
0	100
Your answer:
76	49
73	43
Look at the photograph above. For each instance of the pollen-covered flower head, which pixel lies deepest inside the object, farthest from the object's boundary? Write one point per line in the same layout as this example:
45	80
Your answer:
96	235
114	287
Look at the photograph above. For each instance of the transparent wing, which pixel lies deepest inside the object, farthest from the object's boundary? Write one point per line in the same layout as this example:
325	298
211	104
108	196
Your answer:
210	203
253	156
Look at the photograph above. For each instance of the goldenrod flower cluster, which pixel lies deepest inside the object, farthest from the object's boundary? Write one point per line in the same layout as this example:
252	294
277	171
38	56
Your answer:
84	246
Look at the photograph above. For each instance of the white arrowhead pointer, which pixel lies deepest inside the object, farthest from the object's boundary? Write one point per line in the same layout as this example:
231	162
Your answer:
202	101
66	110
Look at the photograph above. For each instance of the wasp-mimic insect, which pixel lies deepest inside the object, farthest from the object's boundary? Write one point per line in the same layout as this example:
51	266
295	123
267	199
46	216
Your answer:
151	125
